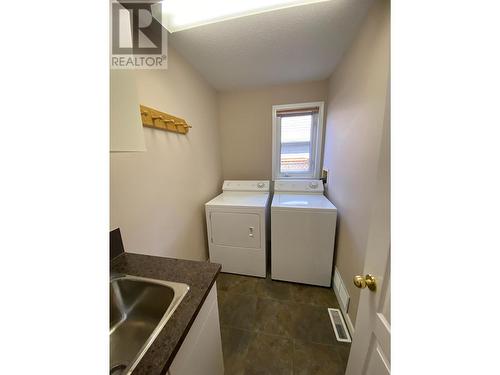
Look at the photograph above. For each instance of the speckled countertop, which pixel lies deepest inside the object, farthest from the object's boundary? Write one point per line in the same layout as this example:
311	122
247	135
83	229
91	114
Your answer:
200	277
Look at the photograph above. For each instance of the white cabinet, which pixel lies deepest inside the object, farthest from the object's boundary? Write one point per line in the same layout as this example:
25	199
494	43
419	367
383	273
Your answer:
201	351
126	133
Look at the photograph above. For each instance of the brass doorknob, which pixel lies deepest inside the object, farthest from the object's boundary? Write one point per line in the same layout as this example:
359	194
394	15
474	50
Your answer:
362	282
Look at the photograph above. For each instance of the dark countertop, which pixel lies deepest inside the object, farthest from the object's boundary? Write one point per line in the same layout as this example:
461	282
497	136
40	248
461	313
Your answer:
200	276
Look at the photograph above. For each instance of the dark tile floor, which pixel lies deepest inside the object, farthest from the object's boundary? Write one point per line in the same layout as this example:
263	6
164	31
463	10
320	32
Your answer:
273	327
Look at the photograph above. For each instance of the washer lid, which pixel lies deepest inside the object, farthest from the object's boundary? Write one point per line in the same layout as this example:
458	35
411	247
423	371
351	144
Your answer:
240	199
302	201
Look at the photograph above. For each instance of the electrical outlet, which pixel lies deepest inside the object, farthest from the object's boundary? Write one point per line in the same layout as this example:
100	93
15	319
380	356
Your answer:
324	175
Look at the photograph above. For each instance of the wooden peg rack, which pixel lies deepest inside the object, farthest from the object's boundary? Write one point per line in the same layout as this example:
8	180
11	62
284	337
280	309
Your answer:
152	118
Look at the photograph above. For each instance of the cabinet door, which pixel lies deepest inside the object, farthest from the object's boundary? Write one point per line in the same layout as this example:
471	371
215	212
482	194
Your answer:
235	229
126	133
201	351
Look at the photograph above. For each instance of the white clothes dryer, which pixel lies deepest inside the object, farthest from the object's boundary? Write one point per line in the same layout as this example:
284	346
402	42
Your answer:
236	227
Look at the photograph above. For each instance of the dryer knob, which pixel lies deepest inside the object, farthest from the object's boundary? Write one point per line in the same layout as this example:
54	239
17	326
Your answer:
313	185
260	185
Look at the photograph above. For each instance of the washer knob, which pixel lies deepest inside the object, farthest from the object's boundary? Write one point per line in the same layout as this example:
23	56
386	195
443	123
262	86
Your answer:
313	185
260	185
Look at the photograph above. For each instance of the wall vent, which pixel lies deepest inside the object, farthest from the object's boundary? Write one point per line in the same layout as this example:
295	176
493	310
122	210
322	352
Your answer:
341	291
339	326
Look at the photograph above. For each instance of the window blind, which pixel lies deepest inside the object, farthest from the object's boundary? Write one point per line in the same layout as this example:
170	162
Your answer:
297	112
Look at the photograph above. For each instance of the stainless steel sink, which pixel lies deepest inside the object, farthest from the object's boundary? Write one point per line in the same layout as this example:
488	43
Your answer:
139	309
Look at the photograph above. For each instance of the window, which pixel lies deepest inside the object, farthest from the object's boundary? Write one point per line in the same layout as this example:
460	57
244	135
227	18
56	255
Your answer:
297	137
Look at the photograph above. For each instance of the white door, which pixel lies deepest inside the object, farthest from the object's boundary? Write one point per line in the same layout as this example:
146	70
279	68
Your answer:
370	350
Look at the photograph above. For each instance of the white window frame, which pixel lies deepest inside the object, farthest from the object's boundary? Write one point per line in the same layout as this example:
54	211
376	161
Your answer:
317	143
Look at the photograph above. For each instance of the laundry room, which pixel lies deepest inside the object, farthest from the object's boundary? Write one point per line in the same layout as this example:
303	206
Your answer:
263	157
249	187
243	157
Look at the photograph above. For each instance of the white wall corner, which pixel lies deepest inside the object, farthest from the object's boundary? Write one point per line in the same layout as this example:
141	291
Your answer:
343	297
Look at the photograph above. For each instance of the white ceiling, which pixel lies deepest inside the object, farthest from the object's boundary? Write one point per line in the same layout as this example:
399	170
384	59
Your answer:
302	43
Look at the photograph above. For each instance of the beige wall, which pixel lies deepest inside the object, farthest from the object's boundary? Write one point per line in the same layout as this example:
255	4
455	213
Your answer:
355	116
246	126
157	196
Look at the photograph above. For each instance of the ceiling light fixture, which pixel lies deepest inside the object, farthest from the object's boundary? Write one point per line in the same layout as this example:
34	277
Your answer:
180	15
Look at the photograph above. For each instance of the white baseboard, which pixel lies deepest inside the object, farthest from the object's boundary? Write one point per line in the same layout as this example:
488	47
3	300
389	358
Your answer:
339	288
350	326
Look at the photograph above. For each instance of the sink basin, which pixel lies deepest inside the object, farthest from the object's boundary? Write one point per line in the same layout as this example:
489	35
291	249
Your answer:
139	309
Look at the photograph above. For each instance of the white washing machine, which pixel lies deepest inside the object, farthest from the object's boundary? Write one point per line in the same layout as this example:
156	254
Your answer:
236	227
303	225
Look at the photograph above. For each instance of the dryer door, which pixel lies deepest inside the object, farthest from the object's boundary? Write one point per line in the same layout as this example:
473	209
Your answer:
235	229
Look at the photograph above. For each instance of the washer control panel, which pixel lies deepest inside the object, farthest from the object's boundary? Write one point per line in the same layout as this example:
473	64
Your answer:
313	184
299	186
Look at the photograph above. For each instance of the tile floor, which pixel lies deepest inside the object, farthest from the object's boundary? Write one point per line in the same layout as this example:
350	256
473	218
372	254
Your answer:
273	327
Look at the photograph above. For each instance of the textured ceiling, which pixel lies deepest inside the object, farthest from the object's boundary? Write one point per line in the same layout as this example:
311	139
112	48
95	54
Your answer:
302	43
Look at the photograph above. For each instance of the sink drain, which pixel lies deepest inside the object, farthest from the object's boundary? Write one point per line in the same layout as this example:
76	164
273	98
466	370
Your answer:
117	369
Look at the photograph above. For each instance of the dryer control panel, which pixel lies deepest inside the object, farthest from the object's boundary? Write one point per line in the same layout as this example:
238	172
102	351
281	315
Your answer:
243	185
299	186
